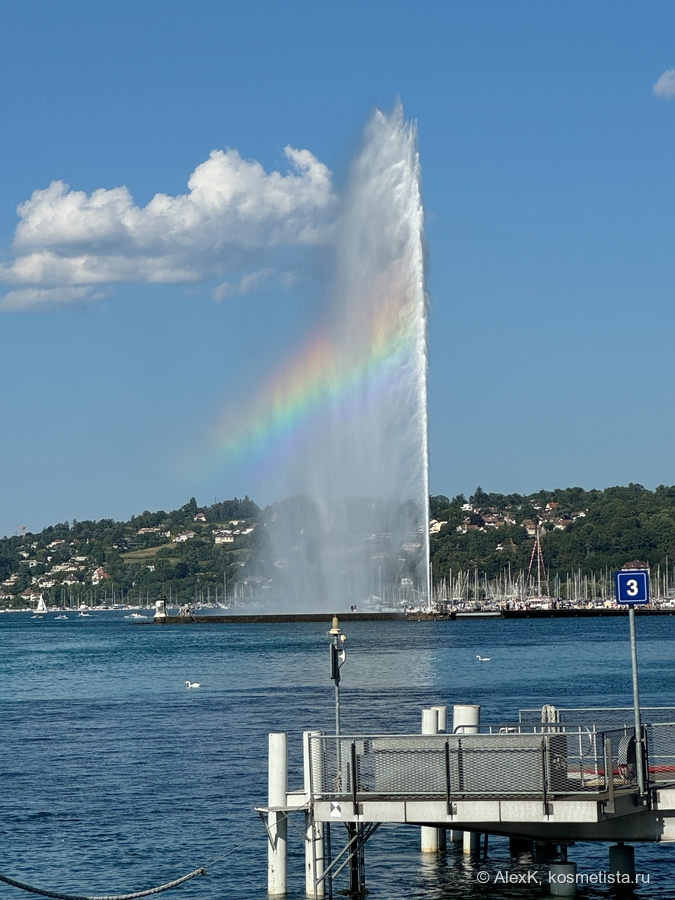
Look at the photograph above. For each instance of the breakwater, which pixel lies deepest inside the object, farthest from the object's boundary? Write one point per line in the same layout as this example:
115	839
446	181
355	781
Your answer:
281	618
594	612
417	616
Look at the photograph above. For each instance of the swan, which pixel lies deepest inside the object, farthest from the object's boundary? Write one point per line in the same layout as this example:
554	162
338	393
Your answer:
483	658
193	684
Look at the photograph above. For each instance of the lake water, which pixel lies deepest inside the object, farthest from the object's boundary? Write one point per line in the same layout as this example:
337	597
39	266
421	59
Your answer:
116	778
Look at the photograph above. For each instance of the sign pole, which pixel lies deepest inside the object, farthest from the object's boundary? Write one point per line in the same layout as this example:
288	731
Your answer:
632	587
639	757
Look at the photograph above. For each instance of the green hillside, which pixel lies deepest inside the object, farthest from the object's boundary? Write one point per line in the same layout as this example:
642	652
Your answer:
201	554
588	531
189	554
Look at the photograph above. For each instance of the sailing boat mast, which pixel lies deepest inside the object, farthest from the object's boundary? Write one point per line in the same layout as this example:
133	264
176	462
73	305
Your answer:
536	552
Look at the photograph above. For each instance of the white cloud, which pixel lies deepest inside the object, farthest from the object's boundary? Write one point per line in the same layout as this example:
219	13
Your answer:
665	86
245	284
235	215
38	299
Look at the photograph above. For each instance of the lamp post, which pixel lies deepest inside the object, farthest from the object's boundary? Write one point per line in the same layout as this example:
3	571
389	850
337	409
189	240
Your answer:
338	654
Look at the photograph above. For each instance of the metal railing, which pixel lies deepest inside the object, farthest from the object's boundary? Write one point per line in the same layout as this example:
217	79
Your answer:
602	717
557	763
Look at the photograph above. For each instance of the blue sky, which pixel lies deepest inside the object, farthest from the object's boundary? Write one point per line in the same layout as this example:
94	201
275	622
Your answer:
549	186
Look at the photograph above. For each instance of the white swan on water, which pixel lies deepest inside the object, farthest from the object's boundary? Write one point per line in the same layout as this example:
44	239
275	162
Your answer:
193	684
483	658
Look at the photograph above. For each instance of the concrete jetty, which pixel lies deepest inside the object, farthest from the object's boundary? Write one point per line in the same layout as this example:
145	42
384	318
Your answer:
236	619
163	617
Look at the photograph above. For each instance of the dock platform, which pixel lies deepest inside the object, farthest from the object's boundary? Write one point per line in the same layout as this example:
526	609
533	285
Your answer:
558	776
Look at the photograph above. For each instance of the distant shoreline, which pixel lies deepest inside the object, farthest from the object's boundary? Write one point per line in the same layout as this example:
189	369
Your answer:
417	616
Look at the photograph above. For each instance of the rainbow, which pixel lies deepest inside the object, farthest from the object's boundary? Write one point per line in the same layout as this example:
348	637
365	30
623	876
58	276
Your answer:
325	375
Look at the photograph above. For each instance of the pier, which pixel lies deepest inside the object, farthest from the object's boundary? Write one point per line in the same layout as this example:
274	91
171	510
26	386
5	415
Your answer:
553	775
162	616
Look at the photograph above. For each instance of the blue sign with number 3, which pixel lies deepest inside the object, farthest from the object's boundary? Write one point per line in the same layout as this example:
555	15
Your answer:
632	586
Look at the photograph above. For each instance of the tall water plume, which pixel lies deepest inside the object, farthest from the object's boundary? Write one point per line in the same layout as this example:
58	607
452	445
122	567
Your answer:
356	532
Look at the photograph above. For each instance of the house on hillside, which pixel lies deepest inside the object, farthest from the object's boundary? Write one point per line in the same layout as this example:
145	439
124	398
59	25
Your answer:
493	521
99	575
562	523
435	526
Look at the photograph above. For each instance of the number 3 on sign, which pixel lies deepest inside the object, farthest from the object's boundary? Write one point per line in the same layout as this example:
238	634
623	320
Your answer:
632	586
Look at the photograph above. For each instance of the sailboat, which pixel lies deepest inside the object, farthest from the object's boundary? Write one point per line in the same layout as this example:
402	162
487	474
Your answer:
40	609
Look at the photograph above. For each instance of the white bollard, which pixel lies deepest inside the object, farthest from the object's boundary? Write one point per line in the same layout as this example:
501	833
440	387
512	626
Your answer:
622	863
277	790
429	835
465	718
314	865
563	879
471	843
430	721
442	712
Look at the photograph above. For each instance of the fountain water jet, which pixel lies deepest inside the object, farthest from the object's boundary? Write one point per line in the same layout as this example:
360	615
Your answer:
357	529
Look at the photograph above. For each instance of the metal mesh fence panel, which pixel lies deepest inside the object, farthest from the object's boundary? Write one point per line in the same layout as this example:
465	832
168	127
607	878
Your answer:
661	751
476	765
501	765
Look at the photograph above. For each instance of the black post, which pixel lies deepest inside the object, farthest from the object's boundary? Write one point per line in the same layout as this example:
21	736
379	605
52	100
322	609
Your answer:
328	858
357	880
357	862
448	793
355	779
